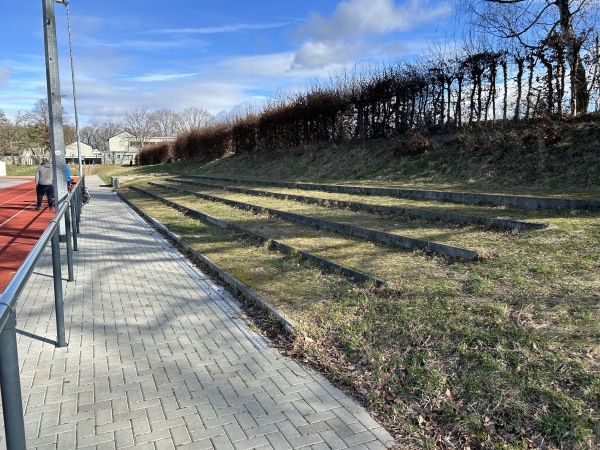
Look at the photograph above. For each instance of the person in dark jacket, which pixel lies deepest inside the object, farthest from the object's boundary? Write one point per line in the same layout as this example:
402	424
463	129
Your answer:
43	184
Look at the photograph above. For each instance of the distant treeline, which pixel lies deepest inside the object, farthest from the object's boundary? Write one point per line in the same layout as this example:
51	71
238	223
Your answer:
403	97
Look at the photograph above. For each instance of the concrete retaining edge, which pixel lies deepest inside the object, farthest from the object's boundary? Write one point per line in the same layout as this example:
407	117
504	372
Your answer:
410	212
457	197
234	284
316	261
348	229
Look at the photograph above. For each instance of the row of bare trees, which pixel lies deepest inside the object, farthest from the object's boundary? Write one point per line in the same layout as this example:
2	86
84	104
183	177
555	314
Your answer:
29	132
443	91
556	31
143	123
524	59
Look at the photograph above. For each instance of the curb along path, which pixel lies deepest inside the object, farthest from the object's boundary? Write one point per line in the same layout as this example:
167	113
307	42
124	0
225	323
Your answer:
159	359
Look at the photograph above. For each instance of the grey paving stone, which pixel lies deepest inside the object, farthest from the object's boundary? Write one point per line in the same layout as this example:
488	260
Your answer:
332	440
255	442
154	359
234	432
66	440
306	440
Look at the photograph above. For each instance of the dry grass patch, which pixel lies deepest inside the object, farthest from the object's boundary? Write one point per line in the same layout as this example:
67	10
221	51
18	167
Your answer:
500	353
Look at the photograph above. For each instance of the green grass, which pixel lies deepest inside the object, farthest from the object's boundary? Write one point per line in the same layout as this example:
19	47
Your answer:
29	171
445	207
501	353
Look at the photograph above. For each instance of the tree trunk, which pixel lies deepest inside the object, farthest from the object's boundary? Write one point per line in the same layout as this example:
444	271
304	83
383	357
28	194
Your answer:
530	86
449	103
580	98
458	117
520	70
504	64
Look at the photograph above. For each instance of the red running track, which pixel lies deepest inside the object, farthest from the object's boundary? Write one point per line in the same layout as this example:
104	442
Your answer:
20	224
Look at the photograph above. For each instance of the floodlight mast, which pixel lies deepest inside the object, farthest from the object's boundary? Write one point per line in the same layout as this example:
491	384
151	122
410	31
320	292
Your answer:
66	3
57	139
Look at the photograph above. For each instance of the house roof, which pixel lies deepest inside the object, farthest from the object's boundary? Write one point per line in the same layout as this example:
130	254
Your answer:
122	134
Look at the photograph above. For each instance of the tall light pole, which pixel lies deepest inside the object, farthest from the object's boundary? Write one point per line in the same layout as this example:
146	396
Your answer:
66	3
57	139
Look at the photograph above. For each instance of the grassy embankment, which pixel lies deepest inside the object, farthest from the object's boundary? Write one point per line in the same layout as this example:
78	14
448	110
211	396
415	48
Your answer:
503	352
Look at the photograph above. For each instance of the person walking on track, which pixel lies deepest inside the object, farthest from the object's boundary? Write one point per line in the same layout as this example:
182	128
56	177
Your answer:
43	184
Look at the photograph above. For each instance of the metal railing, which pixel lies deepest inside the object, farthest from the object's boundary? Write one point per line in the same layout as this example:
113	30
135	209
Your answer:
10	383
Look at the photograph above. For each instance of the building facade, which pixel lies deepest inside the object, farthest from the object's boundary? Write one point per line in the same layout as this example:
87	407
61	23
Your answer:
88	154
124	147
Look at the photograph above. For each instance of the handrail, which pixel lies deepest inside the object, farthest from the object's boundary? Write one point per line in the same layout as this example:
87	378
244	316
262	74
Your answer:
16	285
10	383
19	279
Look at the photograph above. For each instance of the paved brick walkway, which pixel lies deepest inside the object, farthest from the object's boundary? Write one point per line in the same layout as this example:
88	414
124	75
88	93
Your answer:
158	359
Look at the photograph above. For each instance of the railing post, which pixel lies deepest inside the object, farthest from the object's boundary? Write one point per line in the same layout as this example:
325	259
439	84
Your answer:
73	207
12	403
71	276
78	205
58	293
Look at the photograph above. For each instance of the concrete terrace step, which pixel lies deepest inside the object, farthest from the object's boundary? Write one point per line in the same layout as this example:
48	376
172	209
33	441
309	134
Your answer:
409	212
315	260
344	228
158	357
474	198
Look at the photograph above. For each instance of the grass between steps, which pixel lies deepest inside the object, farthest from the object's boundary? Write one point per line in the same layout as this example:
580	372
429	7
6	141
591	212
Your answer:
501	353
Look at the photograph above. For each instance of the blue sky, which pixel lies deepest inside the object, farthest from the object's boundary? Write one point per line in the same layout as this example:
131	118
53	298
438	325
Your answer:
215	55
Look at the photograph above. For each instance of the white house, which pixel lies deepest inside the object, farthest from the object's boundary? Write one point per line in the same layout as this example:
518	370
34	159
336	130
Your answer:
123	147
88	154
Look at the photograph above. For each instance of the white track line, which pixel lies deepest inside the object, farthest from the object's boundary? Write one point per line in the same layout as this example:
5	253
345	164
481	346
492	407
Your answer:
20	212
14	198
17	214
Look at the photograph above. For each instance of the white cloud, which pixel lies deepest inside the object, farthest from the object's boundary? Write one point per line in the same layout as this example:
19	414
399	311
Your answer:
267	65
360	17
144	45
161	77
128	70
343	36
223	29
317	54
106	104
218	86
22	83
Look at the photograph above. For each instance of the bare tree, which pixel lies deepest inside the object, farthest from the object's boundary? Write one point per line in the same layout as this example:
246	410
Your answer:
97	137
531	22
39	118
164	122
70	134
6	132
17	137
40	113
193	118
138	122
593	60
